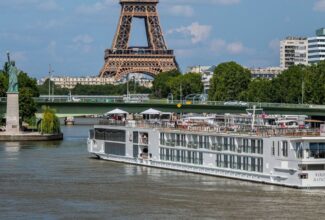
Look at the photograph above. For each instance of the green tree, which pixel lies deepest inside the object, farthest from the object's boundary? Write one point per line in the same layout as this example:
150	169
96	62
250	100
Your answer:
27	106
3	84
259	90
287	87
24	81
314	81
229	82
44	89
189	83
161	84
50	122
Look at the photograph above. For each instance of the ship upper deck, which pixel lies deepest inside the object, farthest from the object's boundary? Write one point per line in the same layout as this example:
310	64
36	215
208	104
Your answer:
213	128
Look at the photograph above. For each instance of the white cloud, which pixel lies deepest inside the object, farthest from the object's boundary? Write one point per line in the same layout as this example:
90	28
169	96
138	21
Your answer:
196	31
184	52
220	46
83	43
85	39
182	10
96	7
319	5
235	48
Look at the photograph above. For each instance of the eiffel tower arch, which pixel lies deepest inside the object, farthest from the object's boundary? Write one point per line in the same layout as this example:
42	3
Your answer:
122	59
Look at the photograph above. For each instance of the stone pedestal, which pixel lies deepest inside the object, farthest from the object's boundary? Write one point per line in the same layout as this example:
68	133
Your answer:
12	116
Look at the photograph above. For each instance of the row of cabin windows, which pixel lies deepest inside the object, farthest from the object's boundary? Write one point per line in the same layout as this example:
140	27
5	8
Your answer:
181	156
316	150
280	148
110	135
254	146
251	164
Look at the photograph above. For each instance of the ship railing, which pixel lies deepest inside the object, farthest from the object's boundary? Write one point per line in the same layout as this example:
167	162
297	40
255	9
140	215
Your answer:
206	128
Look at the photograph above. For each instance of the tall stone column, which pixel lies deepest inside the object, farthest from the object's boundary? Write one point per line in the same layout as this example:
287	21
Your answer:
12	118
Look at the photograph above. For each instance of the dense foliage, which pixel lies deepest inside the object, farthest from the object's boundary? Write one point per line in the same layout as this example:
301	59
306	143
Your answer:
298	84
161	84
50	122
94	89
173	82
27	105
229	82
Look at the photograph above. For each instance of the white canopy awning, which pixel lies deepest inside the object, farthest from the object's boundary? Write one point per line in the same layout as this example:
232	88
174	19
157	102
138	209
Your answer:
116	112
151	111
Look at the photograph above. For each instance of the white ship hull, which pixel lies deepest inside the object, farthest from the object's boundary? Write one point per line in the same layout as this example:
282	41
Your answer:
261	166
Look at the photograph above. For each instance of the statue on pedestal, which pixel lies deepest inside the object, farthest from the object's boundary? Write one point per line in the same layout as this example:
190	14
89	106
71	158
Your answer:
12	116
13	76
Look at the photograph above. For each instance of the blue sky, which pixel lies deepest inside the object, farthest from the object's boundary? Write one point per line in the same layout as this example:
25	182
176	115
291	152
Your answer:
72	35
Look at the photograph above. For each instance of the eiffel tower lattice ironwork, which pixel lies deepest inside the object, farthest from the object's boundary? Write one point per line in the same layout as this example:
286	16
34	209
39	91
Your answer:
121	59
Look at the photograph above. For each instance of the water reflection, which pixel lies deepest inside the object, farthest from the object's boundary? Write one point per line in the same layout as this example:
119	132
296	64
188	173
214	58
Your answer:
59	180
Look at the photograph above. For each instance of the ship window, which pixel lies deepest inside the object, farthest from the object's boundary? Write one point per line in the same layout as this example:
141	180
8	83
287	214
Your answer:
135	151
135	137
225	161
239	162
299	150
316	167
273	149
162	138
91	134
115	135
317	150
303	175
260	165
253	164
278	148
219	160
100	134
232	144
285	148
115	149
253	147
260	146
225	143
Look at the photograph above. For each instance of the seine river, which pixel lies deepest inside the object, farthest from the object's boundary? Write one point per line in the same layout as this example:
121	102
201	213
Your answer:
60	181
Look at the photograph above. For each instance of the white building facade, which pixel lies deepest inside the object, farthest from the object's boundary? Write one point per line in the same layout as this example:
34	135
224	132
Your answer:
266	73
293	51
316	47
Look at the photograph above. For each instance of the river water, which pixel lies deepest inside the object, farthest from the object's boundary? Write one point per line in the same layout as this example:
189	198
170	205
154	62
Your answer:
59	180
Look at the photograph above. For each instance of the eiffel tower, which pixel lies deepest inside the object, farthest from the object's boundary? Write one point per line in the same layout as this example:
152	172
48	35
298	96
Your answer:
122	59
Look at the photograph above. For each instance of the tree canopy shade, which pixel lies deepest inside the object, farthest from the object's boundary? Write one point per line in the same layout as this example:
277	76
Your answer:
259	90
108	89
189	83
229	82
27	106
161	84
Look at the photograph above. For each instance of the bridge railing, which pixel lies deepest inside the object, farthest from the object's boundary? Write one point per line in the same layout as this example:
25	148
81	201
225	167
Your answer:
119	99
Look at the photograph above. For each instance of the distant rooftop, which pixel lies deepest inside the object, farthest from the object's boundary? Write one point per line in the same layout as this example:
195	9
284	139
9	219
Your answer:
296	38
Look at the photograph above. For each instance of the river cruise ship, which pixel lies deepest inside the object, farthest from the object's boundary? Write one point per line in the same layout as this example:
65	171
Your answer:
293	157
